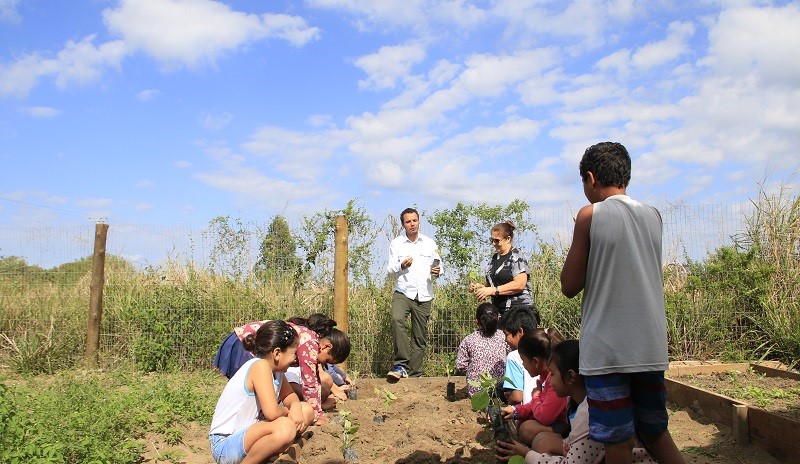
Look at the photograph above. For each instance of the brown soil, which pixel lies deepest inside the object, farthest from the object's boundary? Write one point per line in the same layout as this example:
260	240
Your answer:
778	395
422	426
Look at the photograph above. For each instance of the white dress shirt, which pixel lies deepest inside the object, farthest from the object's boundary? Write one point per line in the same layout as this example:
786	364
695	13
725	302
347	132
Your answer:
415	281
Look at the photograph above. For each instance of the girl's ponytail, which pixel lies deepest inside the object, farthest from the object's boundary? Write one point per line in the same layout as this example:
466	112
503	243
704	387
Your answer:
487	316
318	322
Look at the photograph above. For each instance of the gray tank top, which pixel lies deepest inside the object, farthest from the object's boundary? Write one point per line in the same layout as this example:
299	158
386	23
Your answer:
623	321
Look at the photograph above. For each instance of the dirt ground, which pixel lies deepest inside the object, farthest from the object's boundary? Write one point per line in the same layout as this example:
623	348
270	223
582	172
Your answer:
422	426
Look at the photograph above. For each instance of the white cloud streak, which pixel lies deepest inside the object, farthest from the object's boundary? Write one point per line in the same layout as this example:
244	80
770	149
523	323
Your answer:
196	33
176	33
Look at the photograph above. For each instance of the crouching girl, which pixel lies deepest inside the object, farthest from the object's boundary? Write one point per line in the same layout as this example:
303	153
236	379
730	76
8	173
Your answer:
258	414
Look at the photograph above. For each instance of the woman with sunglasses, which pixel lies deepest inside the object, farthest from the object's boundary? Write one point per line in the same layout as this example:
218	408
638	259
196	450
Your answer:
506	273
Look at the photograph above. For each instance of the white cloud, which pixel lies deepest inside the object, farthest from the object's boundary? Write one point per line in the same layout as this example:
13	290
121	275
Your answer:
144	184
147	95
215	122
387	174
320	120
83	62
292	29
78	62
196	33
530	20
419	15
297	155
508	132
759	39
97	209
389	64
8	11
236	174
94	203
658	53
41	111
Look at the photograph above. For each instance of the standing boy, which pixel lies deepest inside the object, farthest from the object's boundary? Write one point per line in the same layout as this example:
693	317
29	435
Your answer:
414	262
615	258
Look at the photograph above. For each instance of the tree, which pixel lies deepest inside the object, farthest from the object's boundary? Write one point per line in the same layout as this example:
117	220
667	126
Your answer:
463	232
317	242
229	252
278	251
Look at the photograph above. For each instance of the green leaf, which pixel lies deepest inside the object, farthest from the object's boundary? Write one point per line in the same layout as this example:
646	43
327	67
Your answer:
480	401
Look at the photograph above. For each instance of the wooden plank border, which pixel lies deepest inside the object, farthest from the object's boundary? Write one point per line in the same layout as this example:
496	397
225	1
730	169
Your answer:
777	435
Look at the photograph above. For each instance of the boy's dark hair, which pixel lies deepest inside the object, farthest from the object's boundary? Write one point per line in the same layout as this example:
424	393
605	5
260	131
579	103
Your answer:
539	343
487	316
609	162
271	335
565	356
408	211
341	345
519	317
318	322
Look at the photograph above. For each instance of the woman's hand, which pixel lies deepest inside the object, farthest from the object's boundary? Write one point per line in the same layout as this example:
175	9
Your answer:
507	412
474	286
483	292
505	450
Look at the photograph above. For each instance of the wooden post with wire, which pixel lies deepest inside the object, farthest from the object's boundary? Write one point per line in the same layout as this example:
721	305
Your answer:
96	294
340	272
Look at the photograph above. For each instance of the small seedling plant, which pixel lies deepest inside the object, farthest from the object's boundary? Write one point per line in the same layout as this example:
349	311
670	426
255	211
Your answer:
487	399
388	398
450	369
450	364
487	391
349	430
352	390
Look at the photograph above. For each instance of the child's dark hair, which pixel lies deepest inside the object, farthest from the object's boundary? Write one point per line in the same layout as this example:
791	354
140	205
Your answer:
318	322
341	345
519	317
539	343
609	162
487	316
271	335
565	356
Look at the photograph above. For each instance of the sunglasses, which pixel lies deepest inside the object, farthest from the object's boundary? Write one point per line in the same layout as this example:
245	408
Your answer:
496	241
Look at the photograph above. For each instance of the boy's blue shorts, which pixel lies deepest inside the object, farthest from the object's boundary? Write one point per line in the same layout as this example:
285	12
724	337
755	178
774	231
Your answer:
621	404
228	449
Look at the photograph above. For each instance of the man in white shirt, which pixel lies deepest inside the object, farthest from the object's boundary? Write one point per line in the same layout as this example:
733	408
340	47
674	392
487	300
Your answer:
415	262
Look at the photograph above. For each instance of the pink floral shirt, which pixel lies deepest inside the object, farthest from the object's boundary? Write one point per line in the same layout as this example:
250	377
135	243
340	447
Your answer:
307	351
478	354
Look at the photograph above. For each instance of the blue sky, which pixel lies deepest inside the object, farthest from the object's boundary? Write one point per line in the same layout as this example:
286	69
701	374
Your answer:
178	111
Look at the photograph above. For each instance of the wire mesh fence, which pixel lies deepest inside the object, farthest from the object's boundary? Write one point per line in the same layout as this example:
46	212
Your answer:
172	293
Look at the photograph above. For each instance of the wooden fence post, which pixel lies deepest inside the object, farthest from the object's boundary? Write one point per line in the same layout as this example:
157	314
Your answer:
340	276
96	294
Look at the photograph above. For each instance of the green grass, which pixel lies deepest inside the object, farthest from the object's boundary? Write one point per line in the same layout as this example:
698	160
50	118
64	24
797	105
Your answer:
80	416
